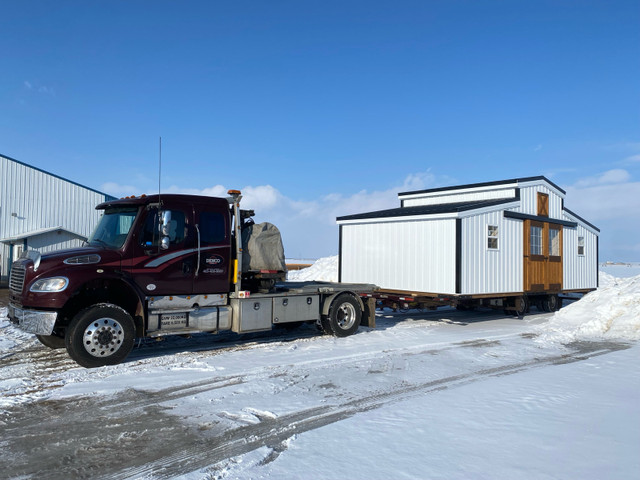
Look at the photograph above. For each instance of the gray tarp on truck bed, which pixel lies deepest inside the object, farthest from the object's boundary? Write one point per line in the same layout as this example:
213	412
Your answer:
262	248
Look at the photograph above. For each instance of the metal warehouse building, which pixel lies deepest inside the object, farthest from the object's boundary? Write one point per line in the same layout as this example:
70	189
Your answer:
41	211
510	237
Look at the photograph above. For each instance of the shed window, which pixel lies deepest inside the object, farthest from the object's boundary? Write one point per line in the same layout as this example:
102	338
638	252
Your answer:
535	240
581	246
492	237
554	242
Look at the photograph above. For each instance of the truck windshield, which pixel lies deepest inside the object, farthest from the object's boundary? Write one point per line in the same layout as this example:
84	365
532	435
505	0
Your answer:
113	228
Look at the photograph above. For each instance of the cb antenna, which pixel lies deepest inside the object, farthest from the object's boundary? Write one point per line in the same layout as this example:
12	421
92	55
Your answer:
159	169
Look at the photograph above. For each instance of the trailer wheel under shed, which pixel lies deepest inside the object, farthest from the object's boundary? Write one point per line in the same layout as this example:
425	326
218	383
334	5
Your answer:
510	238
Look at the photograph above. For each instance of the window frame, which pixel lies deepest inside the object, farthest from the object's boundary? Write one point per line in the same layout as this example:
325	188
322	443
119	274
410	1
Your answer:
581	245
495	236
558	243
540	235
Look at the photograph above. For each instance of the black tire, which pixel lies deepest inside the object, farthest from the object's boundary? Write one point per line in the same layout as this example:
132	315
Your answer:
100	335
551	303
522	306
51	341
344	316
519	307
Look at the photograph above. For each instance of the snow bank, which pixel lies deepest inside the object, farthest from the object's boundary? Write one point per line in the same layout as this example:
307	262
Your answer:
611	312
324	269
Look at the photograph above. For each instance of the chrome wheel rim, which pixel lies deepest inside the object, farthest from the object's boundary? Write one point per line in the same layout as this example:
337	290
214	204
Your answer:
346	316
103	337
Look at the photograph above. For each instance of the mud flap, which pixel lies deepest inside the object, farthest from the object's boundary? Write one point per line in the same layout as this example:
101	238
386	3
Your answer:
369	313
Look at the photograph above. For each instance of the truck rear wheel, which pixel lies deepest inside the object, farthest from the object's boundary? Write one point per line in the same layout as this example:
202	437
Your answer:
51	341
100	335
344	316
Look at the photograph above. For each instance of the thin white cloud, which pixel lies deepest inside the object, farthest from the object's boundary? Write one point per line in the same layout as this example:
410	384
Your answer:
308	226
117	190
610	177
537	148
631	160
43	89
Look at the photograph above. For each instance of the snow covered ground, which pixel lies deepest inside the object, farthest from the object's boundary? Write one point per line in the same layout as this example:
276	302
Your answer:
434	394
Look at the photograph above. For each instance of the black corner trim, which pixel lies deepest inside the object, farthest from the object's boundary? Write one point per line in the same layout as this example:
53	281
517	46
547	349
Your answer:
597	261
523	216
339	253
580	218
458	255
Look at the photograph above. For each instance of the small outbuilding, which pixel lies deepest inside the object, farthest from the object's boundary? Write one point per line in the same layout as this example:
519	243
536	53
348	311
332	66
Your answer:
42	211
503	238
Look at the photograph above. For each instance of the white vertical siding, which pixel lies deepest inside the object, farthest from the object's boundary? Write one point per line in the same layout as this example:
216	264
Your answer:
41	200
579	271
485	271
529	201
460	197
416	255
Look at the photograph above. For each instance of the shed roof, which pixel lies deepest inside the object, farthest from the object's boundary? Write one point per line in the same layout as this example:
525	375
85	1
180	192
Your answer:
428	209
486	184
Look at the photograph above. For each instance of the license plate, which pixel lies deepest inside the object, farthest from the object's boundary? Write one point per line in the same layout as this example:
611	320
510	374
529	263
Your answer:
170	321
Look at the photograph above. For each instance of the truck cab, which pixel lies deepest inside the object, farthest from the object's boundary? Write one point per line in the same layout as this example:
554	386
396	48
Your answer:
159	265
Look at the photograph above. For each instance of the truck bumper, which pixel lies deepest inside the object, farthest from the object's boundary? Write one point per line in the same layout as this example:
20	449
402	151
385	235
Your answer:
33	321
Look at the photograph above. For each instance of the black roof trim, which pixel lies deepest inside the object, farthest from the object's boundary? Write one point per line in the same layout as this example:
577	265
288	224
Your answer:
107	197
538	218
428	209
581	219
485	184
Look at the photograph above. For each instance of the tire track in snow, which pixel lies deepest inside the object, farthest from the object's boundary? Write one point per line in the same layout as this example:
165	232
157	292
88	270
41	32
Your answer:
131	435
274	432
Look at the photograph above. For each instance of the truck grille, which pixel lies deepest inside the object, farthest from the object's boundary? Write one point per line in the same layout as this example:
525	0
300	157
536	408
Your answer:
16	280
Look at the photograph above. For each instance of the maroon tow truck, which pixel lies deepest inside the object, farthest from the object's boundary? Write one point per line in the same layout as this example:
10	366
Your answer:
171	264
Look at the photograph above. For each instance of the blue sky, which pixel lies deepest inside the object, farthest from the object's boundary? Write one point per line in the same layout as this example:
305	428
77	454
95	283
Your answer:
320	108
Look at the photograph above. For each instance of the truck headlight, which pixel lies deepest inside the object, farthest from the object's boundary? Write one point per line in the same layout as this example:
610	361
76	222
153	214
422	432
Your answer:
53	284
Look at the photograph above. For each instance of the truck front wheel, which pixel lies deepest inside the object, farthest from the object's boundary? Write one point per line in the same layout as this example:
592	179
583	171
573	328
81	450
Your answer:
344	316
100	335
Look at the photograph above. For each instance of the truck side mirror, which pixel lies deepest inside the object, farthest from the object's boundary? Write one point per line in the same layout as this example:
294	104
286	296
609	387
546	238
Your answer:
165	228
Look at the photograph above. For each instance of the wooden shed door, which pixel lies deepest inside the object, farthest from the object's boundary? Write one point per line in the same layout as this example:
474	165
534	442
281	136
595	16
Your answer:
542	257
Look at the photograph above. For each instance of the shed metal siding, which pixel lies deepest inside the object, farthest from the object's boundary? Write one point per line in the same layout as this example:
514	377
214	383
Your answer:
487	271
40	200
459	197
529	201
580	271
416	256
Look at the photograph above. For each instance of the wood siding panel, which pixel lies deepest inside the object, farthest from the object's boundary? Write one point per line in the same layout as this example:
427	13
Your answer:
541	272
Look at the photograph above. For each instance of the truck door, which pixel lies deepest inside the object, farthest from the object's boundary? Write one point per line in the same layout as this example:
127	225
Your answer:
164	272
213	225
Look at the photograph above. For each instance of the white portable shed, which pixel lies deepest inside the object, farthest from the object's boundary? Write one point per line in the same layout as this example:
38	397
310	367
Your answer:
486	239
